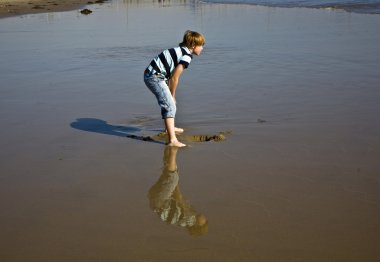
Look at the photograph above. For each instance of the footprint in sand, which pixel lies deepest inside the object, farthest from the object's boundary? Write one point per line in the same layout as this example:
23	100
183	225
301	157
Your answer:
221	136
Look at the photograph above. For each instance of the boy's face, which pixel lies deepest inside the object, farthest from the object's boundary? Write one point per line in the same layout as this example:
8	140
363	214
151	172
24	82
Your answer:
198	49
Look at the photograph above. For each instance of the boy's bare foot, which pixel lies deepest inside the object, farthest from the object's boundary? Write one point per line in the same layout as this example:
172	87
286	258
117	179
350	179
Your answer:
178	130
176	144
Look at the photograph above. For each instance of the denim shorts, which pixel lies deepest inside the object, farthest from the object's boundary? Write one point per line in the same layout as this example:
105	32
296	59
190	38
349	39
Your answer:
158	86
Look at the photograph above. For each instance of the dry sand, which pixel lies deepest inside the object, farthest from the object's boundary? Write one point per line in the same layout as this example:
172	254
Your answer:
21	7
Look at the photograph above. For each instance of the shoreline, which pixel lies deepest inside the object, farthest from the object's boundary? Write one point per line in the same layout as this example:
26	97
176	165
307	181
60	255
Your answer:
357	9
12	8
9	8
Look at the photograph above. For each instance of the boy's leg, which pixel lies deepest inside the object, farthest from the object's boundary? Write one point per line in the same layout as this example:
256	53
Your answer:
168	107
173	141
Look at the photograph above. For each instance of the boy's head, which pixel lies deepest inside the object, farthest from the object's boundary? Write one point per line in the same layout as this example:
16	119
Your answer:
200	227
192	39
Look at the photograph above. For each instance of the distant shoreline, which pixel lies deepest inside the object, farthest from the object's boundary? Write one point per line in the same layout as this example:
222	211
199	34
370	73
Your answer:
10	8
359	8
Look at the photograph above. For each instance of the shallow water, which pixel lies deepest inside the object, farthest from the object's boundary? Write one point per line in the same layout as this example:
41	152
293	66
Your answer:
357	6
296	180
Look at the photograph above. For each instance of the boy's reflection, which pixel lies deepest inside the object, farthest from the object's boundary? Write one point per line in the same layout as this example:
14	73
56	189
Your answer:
167	201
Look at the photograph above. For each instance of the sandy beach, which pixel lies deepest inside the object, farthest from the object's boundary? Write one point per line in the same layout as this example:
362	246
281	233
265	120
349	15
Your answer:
293	90
21	7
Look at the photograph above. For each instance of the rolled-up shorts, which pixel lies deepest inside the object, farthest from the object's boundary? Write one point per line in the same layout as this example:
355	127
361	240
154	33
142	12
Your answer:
158	86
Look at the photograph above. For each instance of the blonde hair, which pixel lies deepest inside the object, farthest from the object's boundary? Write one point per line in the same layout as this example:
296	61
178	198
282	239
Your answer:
192	39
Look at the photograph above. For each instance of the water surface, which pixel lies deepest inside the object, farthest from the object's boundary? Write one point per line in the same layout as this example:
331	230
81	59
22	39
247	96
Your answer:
296	180
356	6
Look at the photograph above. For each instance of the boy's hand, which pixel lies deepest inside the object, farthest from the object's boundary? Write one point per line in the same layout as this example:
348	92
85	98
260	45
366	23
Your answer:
173	82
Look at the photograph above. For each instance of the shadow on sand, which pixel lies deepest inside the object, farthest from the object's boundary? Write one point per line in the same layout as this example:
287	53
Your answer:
102	127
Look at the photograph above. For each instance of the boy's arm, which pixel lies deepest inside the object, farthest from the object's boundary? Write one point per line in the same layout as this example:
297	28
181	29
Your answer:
173	82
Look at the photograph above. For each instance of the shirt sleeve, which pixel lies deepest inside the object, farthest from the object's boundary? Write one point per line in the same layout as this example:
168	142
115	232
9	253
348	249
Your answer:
185	61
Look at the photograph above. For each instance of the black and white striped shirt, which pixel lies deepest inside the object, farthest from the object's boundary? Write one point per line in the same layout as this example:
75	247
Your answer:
167	61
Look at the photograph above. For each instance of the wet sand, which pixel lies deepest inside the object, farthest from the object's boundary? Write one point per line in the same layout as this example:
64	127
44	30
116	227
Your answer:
296	179
21	7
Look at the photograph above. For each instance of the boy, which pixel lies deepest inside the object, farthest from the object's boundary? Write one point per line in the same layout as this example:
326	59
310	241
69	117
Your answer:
162	75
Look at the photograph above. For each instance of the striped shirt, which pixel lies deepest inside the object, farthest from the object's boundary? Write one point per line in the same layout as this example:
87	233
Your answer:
167	61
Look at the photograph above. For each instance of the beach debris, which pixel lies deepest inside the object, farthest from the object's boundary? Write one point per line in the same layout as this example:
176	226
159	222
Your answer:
86	11
205	138
38	7
221	136
261	121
